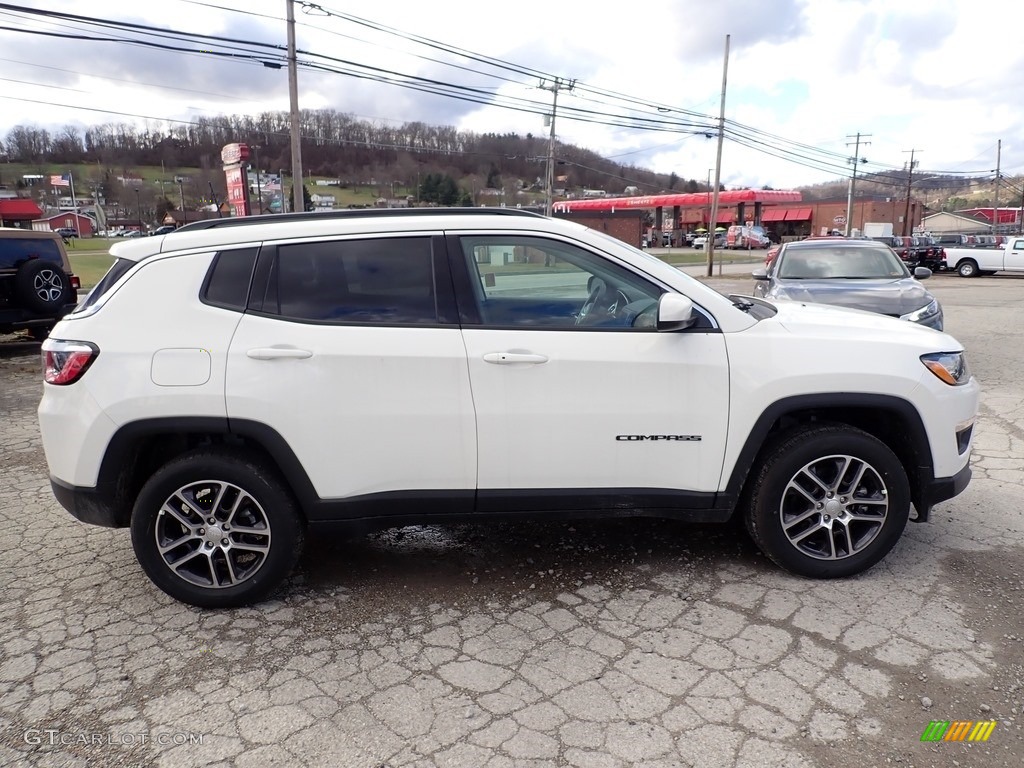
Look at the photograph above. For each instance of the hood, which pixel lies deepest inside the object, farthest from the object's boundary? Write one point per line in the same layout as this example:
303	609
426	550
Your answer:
885	296
821	320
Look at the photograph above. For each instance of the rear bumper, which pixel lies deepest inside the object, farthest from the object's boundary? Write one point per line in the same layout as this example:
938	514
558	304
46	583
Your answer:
90	505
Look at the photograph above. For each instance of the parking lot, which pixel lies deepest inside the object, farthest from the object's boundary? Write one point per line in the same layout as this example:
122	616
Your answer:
614	643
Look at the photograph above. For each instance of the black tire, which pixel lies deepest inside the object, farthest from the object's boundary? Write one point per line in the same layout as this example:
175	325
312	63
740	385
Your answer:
779	513
967	268
219	565
42	286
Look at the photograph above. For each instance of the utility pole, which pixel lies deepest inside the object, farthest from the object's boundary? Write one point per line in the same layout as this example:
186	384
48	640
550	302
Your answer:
853	178
995	197
549	186
293	96
910	175
707	210
713	225
181	196
259	189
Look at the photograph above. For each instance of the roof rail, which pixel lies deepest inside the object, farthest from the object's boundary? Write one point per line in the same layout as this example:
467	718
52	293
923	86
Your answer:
238	221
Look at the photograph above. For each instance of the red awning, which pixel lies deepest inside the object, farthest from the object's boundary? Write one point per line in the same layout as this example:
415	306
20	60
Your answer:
774	214
19	210
729	197
798	214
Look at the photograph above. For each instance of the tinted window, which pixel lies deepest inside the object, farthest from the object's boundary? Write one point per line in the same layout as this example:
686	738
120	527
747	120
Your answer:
118	268
14	251
537	283
385	280
825	262
228	282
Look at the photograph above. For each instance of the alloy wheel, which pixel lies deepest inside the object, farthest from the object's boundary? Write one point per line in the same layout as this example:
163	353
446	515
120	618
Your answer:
212	534
834	507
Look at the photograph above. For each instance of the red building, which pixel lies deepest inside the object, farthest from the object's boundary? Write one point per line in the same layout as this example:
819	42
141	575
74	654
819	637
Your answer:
82	224
18	212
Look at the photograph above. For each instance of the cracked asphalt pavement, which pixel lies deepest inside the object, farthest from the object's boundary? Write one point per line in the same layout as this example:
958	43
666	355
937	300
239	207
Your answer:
592	644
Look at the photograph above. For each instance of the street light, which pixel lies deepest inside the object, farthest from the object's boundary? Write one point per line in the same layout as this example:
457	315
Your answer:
138	208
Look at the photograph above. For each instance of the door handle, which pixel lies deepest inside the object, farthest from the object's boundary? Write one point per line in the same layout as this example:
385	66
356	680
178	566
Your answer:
274	353
508	358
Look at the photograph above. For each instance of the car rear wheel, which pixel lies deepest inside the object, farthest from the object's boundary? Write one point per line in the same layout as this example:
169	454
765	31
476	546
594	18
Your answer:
828	501
216	529
41	286
967	268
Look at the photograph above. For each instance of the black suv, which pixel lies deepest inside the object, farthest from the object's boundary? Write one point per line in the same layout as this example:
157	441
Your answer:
37	287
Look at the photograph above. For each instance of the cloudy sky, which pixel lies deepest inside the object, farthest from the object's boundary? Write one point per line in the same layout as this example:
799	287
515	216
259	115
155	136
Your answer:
942	77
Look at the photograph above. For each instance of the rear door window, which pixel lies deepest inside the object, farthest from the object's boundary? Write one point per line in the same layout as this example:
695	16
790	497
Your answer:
381	281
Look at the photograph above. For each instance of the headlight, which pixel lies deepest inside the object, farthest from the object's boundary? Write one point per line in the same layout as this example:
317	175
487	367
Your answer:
918	315
951	367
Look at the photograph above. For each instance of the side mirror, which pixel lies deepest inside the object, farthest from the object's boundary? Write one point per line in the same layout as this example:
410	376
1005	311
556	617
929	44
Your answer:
760	274
922	273
675	312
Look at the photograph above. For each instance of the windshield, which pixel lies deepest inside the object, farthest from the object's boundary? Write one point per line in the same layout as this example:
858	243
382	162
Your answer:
828	263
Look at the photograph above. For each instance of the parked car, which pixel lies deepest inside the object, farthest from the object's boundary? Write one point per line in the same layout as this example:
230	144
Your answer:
66	232
701	241
904	247
858	274
950	241
37	285
371	369
927	253
740	237
893	241
971	262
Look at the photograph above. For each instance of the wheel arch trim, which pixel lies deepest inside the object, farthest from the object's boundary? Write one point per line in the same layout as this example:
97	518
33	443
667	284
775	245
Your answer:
829	407
116	474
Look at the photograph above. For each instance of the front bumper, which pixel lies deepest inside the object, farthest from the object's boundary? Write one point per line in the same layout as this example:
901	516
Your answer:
940	489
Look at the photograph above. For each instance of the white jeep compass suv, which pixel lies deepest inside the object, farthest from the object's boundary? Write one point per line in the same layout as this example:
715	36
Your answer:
233	387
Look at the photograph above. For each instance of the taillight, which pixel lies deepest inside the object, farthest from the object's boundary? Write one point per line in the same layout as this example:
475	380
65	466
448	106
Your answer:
64	362
75	282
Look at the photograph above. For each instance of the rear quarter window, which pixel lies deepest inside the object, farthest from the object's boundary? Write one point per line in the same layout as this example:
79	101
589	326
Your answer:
117	269
227	282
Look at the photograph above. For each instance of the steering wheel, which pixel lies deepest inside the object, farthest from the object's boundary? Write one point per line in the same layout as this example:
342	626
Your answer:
598	290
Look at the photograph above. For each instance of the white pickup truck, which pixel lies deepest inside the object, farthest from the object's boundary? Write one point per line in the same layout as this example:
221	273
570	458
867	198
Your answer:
971	262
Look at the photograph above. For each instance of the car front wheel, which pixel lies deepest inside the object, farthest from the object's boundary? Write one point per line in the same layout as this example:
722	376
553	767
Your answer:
216	529
828	501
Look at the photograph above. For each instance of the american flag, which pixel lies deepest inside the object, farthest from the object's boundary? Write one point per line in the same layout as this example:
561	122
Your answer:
58	181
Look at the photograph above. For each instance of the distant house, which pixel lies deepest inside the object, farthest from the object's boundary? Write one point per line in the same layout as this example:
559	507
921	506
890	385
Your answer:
392	202
83	225
180	218
323	202
947	222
